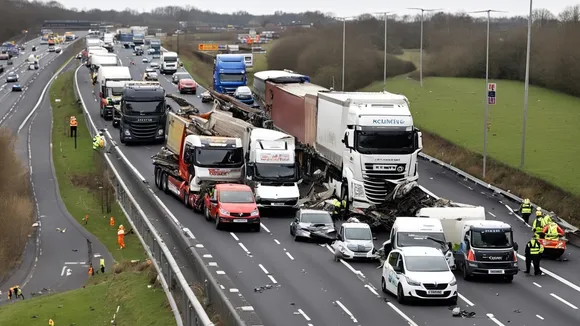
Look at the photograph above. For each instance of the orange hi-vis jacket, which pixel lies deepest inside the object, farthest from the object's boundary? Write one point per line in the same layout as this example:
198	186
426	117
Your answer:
73	121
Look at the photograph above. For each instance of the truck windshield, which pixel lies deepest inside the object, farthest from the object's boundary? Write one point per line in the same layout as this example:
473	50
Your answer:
385	142
275	171
426	264
492	238
145	107
116	91
236	197
169	59
232	77
420	239
218	157
358	234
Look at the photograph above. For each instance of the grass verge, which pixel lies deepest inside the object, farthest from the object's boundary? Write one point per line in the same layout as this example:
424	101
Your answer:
132	287
85	191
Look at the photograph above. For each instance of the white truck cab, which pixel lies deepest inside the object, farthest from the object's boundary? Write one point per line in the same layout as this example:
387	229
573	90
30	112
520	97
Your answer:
372	137
218	159
354	241
418	273
169	62
271	167
419	232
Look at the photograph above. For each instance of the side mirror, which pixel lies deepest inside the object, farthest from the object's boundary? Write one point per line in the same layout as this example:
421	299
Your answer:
345	140
339	237
387	247
450	245
168	107
398	269
516	247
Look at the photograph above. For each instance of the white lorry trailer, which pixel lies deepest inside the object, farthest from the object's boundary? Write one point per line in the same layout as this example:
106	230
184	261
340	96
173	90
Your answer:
104	60
109	85
169	62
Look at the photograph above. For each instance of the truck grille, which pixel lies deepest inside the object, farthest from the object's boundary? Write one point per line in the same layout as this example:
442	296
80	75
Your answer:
375	182
282	201
494	265
438	286
143	130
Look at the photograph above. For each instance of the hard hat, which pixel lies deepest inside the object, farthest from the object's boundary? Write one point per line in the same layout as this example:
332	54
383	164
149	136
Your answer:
526	201
538	213
538	208
121	227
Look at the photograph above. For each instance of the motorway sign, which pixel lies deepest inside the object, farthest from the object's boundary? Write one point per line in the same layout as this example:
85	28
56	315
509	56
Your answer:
208	47
491	89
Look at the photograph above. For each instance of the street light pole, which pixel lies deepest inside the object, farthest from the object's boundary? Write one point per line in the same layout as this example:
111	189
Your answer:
526	86
486	115
423	10
343	51
385	15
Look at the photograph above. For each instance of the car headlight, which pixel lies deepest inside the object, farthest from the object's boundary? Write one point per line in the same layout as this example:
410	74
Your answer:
453	282
223	211
127	132
412	282
368	248
255	213
160	132
358	190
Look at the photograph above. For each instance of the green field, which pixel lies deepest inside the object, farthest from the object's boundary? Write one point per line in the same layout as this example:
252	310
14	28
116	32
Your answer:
139	303
453	108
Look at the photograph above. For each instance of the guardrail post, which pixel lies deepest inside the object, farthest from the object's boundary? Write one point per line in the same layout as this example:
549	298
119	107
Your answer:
206	298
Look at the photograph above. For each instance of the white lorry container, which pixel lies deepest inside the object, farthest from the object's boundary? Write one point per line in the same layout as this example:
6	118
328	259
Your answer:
271	167
93	42
94	50
275	76
169	62
105	60
110	83
371	137
450	216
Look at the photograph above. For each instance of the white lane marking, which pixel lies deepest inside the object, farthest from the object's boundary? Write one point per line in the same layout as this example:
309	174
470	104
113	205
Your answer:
536	284
490	213
370	288
207	256
63	271
263	269
272	279
220	272
243	247
516	215
556	276
304	315
345	309
564	301
402	314
264	227
234	236
465	299
278	242
289	255
493	319
75	263
212	264
357	272
542	318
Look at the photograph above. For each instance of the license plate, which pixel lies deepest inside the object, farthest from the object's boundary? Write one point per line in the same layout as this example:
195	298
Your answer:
240	220
496	271
434	292
277	204
360	254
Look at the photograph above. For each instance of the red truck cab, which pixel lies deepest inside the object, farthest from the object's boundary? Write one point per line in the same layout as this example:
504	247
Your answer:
232	204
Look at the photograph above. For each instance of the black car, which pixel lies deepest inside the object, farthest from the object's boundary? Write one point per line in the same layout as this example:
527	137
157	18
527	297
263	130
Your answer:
1	69
314	225
179	76
16	88
33	48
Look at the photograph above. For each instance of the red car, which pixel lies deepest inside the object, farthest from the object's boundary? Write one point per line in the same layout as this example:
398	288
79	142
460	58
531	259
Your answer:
232	204
187	86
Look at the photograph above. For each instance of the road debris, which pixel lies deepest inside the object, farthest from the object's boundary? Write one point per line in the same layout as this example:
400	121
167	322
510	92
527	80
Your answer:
458	312
61	230
262	288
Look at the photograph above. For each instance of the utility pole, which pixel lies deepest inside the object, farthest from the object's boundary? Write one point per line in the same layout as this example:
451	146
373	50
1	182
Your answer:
526	86
343	47
486	115
385	15
423	10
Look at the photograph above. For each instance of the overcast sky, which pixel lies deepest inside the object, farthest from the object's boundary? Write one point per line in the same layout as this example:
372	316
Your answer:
340	8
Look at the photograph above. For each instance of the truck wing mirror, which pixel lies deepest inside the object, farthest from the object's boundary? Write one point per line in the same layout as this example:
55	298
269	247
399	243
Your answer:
339	237
168	107
516	247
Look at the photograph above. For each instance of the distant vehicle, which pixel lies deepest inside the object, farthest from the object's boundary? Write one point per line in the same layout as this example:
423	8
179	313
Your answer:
312	224
154	65
33	66
169	62
57	49
51	48
1	69
12	77
150	76
151	51
145	60
179	76
16	88
9	62
33	48
354	241
244	95
187	85
206	97
232	204
229	73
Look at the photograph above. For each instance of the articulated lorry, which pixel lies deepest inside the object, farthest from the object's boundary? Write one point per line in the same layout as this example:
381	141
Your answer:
142	114
190	163
109	40
169	63
155	45
277	77
229	73
109	85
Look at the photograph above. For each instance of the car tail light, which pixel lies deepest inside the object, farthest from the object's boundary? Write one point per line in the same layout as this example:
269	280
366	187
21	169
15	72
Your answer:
471	255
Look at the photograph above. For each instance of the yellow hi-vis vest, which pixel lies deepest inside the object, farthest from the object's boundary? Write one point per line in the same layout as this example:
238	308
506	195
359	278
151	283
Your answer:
538	225
536	247
552	233
526	208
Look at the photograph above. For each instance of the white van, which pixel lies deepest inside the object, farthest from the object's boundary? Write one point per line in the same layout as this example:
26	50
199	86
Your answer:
419	232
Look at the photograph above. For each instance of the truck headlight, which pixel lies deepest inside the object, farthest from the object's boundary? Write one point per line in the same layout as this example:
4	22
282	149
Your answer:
223	211
412	282
358	190
160	132
255	213
127	132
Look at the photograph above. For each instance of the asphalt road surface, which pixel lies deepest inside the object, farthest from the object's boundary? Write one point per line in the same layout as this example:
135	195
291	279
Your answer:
309	288
53	260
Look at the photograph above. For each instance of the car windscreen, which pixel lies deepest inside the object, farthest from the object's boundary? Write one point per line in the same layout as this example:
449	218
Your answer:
491	238
116	91
426	264
316	218
420	239
268	170
145	107
236	197
357	234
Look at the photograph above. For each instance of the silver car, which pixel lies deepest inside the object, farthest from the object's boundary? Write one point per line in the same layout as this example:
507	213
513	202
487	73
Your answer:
314	225
12	77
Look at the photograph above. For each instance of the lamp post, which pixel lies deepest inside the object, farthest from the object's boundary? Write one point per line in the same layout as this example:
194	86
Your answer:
423	10
526	86
343	47
486	115
385	15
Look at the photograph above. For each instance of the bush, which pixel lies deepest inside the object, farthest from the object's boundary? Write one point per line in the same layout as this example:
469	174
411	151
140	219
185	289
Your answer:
16	204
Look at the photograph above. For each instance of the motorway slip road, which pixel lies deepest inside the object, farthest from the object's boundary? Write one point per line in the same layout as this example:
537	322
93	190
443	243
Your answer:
307	287
53	260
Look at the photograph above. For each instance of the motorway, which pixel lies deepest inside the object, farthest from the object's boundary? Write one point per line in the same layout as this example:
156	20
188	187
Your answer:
309	288
57	254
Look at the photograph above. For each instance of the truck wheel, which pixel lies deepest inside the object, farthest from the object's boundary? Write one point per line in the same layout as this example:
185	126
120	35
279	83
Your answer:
164	181
115	123
206	212
101	113
121	135
156	174
466	275
186	199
